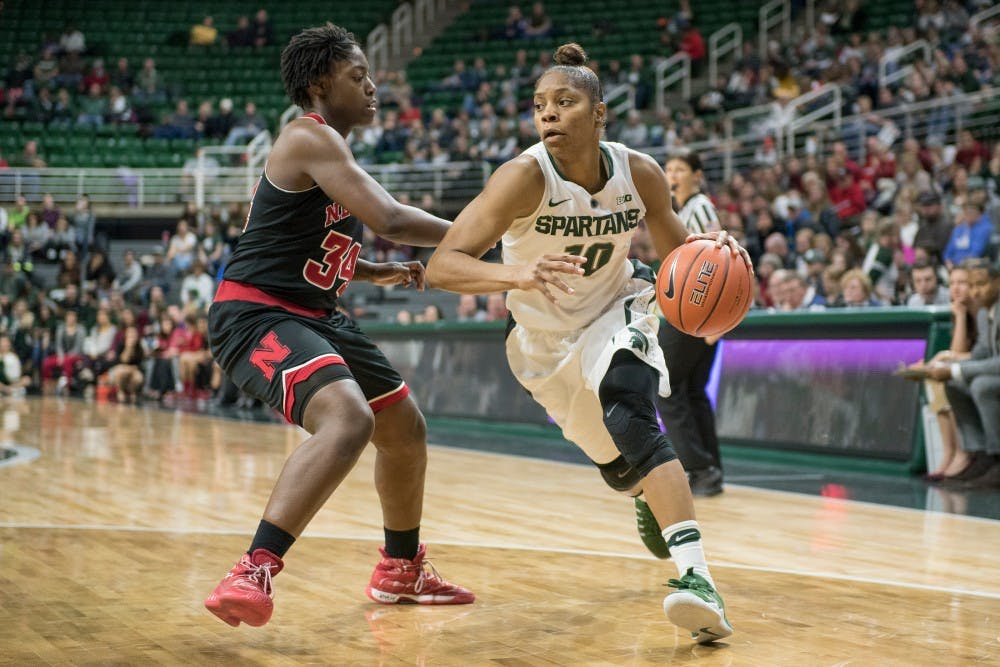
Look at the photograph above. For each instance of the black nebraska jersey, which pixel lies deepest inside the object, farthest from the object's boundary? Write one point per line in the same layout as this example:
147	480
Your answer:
298	246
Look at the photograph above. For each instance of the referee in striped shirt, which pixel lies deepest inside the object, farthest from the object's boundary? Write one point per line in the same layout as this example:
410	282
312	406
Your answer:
687	412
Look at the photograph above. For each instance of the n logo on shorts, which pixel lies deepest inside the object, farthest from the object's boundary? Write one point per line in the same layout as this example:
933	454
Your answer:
268	354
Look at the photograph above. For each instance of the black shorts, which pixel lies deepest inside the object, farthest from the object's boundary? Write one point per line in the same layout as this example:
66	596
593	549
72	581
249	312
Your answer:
282	353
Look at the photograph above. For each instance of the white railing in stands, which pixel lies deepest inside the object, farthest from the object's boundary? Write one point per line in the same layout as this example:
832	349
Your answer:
669	72
457	183
826	101
892	59
408	22
979	18
620	98
777	13
727	39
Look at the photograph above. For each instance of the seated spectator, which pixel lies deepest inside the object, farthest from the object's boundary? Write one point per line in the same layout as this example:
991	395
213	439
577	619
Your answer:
971	152
93	108
970	238
149	85
119	109
72	40
242	36
169	341
973	387
926	289
798	294
62	242
469	310
514	25
99	274
856	290
29	157
129	279
539	24
933	225
126	372
496	307
954	459
97	346
122	76
204	33
46	70
30	241
249	125
182	248
83	221
195	359
197	287
12	380
177	125
219	126
97	75
58	368
692	42
880	260
263	31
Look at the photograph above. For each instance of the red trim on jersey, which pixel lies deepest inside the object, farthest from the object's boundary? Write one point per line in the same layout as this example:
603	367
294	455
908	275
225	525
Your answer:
292	376
230	290
385	400
315	116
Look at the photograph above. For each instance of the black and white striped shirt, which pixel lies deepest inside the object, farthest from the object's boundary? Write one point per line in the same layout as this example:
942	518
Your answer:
698	214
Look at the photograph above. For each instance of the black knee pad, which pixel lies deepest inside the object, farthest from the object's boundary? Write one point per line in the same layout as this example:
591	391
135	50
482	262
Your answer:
619	475
627	396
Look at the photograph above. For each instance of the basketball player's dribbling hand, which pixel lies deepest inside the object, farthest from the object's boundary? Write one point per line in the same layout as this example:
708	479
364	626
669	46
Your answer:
407	274
722	238
546	272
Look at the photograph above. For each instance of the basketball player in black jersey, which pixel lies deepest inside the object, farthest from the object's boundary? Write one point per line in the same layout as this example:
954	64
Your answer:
275	329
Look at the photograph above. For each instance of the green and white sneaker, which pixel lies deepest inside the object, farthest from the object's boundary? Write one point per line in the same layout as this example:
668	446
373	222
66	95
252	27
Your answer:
649	529
696	606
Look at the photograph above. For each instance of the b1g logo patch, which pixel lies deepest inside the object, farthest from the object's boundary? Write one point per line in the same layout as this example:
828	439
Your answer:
704	281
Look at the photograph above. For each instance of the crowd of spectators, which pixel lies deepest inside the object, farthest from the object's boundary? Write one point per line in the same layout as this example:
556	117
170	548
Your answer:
64	85
847	221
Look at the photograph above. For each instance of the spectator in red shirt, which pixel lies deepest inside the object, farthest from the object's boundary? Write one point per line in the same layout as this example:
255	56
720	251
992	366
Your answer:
97	75
691	40
845	194
971	153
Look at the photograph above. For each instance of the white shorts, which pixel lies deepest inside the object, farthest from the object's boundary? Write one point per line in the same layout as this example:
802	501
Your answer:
563	369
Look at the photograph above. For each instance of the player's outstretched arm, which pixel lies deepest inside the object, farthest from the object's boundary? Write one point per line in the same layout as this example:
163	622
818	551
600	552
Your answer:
319	153
514	191
386	274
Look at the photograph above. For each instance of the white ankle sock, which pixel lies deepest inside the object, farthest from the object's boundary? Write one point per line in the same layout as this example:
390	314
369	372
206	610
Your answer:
689	552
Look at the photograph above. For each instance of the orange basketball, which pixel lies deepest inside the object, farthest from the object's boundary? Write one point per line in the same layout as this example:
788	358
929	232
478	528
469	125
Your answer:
703	290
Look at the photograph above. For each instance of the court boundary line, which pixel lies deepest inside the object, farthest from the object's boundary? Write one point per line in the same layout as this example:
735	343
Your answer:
520	547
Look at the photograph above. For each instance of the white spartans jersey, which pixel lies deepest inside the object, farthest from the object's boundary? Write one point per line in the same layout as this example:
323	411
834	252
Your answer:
571	220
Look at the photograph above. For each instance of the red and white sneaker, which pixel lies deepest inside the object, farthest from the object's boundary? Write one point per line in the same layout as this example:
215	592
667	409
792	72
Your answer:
245	593
403	581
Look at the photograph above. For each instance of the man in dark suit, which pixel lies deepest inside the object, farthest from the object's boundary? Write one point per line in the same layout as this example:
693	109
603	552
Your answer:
973	386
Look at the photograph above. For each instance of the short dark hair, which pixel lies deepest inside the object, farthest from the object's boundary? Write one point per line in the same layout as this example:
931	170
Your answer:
923	264
688	157
308	55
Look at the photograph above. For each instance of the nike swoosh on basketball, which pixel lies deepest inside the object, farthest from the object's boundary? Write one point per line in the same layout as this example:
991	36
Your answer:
670	281
561	201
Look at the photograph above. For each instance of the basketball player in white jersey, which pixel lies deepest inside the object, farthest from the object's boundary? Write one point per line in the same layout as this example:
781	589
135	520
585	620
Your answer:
687	412
582	334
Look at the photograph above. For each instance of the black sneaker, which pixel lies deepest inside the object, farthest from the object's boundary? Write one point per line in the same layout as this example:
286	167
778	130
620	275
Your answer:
705	481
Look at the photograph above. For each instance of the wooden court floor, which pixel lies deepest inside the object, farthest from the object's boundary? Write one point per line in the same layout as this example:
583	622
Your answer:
113	535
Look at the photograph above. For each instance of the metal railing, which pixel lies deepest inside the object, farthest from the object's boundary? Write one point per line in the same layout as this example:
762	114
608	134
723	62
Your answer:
812	104
979	18
620	98
777	13
675	69
139	188
210	158
939	119
725	40
895	56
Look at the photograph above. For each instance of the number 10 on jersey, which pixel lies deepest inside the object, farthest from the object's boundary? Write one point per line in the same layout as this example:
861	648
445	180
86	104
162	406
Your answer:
597	254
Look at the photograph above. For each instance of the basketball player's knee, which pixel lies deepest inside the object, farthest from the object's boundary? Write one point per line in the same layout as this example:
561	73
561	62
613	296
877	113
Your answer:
620	475
626	399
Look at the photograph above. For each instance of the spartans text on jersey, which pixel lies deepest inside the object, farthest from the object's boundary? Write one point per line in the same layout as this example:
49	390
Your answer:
588	225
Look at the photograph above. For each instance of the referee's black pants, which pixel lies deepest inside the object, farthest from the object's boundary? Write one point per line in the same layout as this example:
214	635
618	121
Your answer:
687	413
